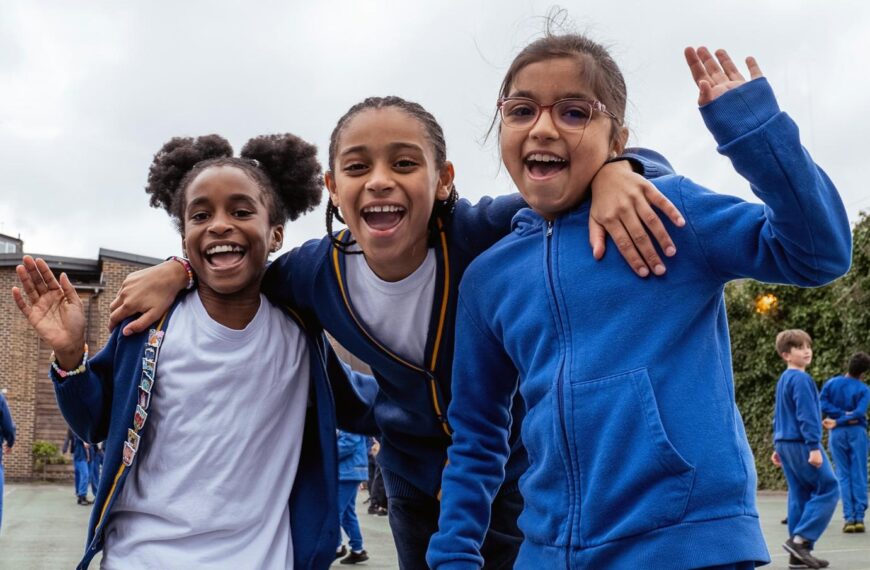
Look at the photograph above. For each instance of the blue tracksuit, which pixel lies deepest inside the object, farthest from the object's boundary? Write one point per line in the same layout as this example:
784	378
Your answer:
353	467
797	430
638	455
410	409
845	399
7	435
80	463
100	405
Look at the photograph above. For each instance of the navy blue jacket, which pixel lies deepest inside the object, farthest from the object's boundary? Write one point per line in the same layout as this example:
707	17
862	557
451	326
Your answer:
7	426
637	451
845	399
100	405
411	406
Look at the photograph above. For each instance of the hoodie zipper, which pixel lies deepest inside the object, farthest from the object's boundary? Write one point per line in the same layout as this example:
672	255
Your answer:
560	387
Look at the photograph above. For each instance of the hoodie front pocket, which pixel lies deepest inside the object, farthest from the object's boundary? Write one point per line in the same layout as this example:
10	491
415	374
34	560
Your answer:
632	479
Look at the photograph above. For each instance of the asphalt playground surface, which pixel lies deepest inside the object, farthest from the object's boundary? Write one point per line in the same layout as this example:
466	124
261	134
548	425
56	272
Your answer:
44	528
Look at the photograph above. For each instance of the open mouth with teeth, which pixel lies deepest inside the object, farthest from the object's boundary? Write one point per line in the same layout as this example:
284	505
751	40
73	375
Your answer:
384	217
224	255
544	165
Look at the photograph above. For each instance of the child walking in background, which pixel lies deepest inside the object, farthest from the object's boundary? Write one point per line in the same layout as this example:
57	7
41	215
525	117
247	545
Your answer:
352	470
386	289
844	401
637	453
232	369
7	440
81	458
797	441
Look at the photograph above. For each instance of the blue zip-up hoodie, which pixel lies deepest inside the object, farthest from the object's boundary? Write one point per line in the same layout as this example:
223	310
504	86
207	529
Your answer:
637	451
353	457
796	415
410	409
100	405
7	426
845	399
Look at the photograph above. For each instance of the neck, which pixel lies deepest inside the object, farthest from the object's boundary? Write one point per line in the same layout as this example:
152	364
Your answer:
797	367
234	310
398	267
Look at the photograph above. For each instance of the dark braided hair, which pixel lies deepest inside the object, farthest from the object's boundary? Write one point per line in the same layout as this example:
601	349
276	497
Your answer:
285	168
443	208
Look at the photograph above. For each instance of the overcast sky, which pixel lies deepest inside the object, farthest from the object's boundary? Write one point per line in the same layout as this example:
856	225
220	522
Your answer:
90	90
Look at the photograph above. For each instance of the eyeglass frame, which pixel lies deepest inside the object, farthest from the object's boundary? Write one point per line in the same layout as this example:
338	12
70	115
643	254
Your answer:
595	105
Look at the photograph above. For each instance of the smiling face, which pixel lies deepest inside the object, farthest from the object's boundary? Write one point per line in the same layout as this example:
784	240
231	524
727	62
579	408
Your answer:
552	168
385	181
799	356
227	234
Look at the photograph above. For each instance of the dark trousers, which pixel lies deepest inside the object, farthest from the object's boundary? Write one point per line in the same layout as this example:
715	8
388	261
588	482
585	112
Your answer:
413	521
377	493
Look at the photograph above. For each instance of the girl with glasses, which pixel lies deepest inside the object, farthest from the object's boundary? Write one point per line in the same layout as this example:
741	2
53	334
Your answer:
637	452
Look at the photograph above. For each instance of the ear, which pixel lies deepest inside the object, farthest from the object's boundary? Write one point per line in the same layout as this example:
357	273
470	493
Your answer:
445	181
277	238
184	247
620	139
329	180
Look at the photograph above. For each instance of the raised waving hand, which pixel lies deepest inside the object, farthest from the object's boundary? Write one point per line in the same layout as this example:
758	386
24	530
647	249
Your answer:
53	309
715	76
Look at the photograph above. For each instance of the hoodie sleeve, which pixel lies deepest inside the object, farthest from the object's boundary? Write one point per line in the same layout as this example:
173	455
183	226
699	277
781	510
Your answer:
806	399
829	409
854	417
482	372
801	234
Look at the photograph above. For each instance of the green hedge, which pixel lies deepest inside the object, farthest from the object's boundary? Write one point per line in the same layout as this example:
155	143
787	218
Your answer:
836	316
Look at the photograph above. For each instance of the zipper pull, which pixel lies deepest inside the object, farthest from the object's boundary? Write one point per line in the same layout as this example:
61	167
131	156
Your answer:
549	228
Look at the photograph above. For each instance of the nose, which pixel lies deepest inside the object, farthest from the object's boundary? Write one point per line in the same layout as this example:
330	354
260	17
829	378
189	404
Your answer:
544	127
380	179
221	223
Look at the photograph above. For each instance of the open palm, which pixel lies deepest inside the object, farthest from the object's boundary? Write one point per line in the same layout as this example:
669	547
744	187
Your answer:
52	308
716	77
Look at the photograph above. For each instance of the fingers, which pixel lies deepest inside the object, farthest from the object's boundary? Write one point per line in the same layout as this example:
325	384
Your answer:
661	202
728	66
653	223
754	69
27	283
141	323
714	71
35	274
68	290
625	245
597	239
699	72
19	300
642	242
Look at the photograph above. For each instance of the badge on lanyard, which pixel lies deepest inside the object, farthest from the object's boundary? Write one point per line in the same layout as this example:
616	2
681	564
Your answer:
144	399
133	439
129	454
139	418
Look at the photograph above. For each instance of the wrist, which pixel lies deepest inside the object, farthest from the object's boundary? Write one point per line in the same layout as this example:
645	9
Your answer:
188	270
69	362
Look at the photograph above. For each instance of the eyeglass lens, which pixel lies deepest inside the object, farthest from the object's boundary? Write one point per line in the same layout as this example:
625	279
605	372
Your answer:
569	114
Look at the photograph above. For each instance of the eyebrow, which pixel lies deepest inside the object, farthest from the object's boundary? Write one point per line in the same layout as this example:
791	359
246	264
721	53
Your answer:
398	145
232	198
569	95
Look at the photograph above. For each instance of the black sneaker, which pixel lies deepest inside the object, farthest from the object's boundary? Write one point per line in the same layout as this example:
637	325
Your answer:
382	512
340	552
849	527
784	521
355	557
84	501
802	553
859	526
795	563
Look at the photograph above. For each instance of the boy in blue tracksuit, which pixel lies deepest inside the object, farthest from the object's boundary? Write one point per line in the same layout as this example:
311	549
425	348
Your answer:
7	439
844	401
352	470
81	457
797	437
637	451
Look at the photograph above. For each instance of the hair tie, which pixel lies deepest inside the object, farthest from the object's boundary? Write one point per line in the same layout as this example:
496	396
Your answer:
255	162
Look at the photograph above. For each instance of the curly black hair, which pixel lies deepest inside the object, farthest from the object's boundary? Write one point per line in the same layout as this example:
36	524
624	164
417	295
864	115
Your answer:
285	168
443	208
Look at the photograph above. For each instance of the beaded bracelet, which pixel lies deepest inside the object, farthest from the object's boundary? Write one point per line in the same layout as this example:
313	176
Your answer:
191	280
65	373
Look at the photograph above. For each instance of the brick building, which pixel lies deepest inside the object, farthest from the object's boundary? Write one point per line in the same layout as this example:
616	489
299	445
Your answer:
24	357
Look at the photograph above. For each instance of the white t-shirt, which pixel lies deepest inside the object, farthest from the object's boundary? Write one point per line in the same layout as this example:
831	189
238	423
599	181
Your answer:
396	313
210	485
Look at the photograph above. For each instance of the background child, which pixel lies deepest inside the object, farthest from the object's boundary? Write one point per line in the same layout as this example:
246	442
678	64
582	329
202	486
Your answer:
844	400
352	470
232	368
386	289
637	452
81	457
797	437
7	440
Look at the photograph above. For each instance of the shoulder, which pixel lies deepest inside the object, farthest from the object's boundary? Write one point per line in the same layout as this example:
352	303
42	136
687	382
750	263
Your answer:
488	268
